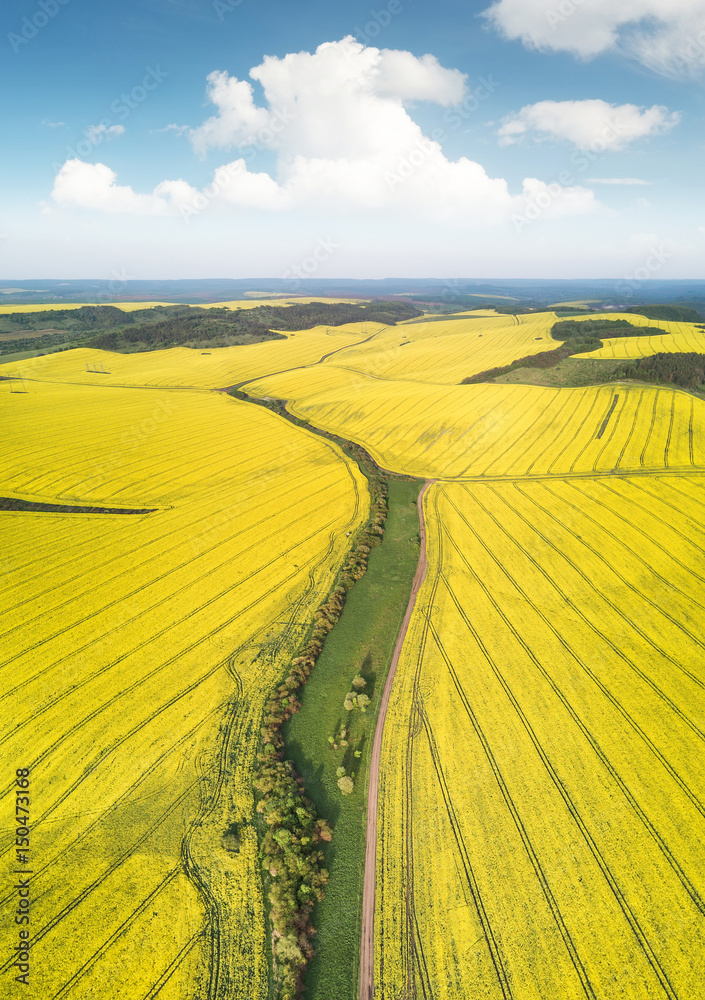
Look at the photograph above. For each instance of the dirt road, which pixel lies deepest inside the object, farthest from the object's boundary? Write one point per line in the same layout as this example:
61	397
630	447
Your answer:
367	950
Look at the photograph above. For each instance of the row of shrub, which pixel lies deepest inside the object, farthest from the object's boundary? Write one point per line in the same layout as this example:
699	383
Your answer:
290	847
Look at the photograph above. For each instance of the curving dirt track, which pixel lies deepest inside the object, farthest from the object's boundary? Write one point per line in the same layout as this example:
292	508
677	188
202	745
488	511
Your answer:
367	949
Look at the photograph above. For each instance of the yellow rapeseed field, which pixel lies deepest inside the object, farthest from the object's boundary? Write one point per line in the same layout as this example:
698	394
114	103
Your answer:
289	300
183	367
137	652
450	349
542	795
489	430
126	306
541	834
542	801
681	338
132	306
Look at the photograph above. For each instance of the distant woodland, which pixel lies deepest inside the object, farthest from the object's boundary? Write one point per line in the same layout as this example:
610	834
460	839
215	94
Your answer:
671	314
112	329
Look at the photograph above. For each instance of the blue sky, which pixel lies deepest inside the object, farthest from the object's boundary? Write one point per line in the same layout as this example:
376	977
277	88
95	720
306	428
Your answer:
422	139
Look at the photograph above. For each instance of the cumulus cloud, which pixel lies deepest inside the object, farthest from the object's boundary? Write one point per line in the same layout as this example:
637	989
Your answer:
337	124
93	185
590	124
667	36
343	100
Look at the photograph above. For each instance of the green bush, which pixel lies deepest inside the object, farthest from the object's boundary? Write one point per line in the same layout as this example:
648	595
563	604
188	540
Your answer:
345	785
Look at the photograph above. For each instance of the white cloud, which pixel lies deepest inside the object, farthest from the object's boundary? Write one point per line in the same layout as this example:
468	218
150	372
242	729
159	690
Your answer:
238	121
96	133
668	36
617	180
53	124
590	124
344	99
337	124
173	127
92	185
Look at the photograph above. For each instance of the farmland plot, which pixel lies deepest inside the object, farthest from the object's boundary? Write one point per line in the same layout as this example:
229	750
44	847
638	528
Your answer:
543	785
137	653
492	430
542	779
183	367
449	350
682	338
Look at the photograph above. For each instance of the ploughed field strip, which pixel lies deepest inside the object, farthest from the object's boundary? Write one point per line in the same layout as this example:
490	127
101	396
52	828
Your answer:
137	655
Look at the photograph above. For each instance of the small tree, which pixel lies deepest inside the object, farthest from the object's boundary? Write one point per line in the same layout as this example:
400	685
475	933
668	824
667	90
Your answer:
340	772
362	702
359	683
349	703
288	950
345	785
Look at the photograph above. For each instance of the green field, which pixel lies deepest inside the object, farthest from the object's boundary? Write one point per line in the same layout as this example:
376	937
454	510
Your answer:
362	640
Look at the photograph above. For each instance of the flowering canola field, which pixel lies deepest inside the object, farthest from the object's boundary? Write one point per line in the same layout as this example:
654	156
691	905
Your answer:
487	430
182	367
137	653
678	338
133	306
682	338
125	306
542	798
542	784
543	788
449	350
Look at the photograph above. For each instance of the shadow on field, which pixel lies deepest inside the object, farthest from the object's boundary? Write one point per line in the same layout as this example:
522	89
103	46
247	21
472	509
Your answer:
312	773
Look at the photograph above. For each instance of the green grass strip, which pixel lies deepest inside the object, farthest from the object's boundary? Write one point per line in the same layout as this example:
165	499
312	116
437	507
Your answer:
362	641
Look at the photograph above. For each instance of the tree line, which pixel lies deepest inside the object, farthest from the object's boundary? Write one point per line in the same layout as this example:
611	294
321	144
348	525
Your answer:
290	848
670	313
686	370
569	329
